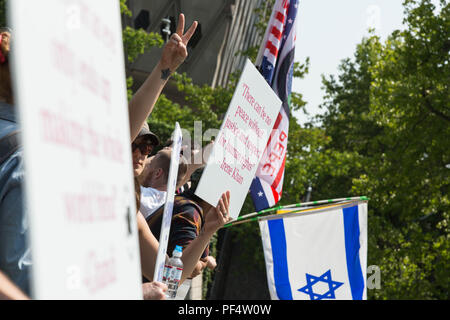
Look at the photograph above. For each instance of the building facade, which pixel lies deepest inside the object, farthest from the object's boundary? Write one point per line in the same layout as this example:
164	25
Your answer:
226	27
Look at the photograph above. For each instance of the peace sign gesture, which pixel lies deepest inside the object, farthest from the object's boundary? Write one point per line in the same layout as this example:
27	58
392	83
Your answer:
175	51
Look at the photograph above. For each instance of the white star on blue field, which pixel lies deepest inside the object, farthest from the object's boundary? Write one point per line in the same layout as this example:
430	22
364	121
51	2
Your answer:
326	277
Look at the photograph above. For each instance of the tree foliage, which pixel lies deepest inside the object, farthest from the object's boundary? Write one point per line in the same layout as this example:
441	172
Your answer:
136	42
388	113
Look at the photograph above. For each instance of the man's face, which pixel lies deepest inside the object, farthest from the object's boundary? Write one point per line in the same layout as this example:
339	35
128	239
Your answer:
141	148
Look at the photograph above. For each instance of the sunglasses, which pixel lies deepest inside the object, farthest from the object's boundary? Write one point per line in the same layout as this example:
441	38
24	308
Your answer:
145	147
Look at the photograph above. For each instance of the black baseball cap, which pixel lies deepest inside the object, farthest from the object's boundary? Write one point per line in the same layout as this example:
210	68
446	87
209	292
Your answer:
145	131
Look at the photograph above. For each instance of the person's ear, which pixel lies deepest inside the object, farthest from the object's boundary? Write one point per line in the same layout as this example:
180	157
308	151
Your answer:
159	173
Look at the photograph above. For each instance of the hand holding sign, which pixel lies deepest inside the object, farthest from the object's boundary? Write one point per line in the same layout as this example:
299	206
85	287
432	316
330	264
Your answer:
219	215
175	51
154	290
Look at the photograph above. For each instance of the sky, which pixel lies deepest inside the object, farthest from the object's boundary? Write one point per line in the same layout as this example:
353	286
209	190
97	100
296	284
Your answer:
329	30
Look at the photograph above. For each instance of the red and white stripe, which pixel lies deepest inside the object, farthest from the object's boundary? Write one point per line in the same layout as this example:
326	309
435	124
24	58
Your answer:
273	42
276	158
270	172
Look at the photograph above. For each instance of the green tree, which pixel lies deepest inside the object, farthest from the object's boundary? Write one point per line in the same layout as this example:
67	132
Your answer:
136	42
388	112
409	97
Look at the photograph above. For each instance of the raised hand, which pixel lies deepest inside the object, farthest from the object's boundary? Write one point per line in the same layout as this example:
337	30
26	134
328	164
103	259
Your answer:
175	50
173	54
218	216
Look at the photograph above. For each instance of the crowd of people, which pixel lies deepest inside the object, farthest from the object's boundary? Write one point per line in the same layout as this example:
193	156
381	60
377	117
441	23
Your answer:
194	221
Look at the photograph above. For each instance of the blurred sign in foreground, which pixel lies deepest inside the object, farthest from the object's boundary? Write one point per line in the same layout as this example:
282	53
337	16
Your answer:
71	94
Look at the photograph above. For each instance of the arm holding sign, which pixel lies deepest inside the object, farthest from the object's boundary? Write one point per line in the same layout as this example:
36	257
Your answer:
148	246
198	268
154	290
210	262
173	55
207	262
215	218
8	291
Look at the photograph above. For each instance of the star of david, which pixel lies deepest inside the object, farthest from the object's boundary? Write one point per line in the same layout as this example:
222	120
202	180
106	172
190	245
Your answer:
326	277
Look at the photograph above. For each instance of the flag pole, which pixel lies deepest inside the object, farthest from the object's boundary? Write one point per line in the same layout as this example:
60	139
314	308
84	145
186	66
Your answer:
254	215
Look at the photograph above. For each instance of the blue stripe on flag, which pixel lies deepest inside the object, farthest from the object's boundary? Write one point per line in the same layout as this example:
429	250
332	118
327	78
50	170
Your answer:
279	255
258	196
352	245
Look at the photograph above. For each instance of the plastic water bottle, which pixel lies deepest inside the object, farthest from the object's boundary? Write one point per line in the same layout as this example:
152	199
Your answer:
172	272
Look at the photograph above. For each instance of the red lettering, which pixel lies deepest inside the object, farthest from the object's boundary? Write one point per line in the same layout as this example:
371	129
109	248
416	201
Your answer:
99	273
222	141
89	206
106	90
63	58
269	169
59	130
89	77
98	28
242	114
226	167
273	157
280	147
237	177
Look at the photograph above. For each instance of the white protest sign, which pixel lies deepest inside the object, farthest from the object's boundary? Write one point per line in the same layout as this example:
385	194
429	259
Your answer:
70	90
168	206
241	141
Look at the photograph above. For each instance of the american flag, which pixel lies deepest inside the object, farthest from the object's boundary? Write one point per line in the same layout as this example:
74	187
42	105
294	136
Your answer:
276	63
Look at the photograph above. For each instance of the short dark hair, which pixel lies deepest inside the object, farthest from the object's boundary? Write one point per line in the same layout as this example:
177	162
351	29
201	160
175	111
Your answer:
163	162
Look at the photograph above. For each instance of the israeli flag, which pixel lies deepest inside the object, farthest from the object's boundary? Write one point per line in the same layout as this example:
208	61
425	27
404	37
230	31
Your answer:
317	254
